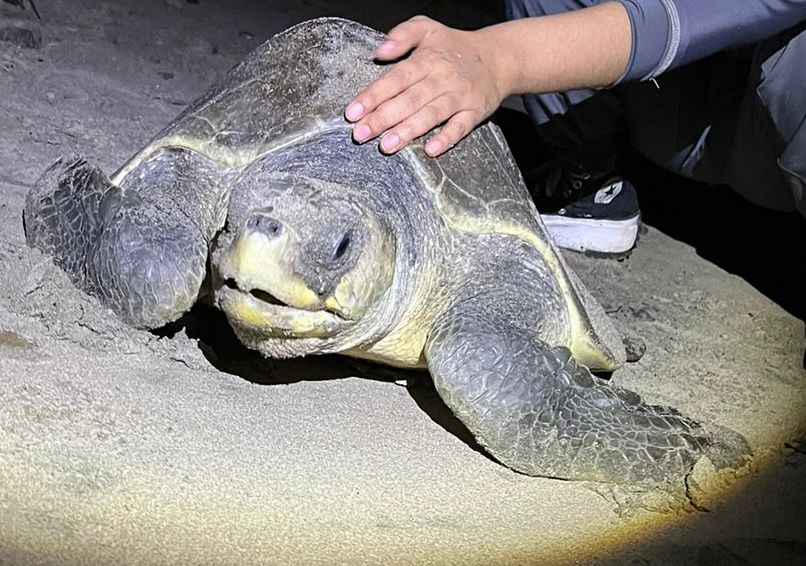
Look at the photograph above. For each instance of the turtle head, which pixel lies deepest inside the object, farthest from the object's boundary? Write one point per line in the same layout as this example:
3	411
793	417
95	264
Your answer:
303	266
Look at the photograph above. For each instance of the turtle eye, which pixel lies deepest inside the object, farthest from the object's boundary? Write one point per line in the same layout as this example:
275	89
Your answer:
341	248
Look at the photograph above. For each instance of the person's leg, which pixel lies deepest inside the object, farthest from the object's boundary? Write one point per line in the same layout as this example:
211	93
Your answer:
684	121
577	121
773	115
585	205
736	118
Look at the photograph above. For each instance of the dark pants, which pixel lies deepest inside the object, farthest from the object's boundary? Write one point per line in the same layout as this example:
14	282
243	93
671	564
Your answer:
738	117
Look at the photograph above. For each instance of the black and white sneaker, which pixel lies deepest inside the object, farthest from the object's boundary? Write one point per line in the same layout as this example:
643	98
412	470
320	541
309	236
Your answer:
587	210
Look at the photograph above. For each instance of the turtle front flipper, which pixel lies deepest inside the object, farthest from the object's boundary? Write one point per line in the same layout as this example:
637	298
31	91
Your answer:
537	411
143	258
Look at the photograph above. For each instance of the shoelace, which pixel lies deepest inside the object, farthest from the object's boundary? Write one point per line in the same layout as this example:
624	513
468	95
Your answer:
558	180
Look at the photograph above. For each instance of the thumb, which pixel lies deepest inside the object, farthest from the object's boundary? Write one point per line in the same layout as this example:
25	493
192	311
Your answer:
404	37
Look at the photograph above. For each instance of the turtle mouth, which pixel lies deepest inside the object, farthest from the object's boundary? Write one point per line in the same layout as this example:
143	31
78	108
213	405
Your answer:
265	313
259	294
267	297
272	300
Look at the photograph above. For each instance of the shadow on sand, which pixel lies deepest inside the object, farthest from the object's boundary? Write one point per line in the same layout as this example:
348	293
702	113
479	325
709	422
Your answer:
219	345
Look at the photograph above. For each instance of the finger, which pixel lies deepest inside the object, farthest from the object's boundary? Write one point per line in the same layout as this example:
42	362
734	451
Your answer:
457	127
392	112
404	37
420	122
399	78
400	40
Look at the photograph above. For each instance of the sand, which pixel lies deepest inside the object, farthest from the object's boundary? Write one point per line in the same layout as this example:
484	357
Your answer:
124	447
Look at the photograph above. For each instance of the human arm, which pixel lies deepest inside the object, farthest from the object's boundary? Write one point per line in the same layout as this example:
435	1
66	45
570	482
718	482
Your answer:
587	48
667	34
460	77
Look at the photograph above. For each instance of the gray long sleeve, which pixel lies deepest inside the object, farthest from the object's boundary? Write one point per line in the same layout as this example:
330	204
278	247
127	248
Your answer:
670	33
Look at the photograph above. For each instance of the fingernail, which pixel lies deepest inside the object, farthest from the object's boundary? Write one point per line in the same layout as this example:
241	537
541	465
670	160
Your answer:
354	111
361	133
386	45
433	147
390	142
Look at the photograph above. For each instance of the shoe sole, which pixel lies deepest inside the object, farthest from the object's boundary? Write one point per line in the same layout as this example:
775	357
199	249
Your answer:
589	235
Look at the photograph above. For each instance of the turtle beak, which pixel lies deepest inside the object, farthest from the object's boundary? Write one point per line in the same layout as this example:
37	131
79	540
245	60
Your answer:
260	262
260	292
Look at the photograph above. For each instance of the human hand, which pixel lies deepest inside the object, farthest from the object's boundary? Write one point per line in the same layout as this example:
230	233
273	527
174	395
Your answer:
451	77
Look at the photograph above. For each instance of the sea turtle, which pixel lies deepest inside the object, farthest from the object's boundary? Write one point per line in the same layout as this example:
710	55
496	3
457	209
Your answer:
312	244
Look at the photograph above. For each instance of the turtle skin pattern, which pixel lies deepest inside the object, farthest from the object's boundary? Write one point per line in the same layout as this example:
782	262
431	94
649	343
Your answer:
539	412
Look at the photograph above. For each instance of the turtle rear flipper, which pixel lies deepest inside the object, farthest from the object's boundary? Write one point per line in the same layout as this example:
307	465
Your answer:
147	265
539	412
